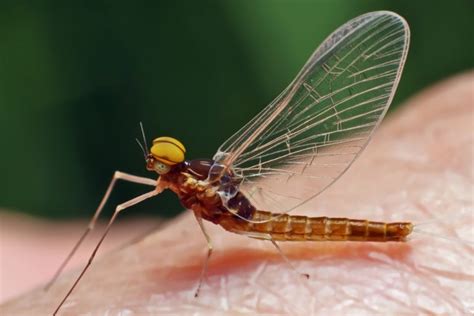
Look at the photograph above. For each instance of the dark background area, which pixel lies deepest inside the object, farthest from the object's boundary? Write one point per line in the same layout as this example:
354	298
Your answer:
77	78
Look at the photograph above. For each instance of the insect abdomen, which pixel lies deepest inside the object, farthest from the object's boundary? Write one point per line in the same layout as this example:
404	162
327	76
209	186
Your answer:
284	227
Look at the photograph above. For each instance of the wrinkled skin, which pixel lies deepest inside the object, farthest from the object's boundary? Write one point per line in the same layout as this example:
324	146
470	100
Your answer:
418	167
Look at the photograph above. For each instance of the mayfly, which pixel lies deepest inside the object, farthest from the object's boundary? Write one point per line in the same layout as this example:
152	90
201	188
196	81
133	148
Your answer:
291	151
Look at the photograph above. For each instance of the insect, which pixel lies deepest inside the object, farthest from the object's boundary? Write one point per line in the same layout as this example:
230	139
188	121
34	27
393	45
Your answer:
291	151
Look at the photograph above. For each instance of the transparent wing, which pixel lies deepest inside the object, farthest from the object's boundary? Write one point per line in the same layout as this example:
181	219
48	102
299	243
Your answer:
312	132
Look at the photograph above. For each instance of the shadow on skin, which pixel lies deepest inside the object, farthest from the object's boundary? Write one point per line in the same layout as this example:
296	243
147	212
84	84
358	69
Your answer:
226	261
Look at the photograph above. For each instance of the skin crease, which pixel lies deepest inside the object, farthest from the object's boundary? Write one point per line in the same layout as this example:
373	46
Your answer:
418	167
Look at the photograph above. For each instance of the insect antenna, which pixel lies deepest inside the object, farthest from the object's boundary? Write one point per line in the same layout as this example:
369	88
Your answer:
141	146
144	139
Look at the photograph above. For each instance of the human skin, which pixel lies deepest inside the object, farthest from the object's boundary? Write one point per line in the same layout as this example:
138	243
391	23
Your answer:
418	168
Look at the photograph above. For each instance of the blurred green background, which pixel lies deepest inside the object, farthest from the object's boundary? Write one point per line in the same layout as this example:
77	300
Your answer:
77	78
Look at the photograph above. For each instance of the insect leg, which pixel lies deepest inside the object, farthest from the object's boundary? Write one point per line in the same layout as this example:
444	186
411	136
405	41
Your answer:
209	252
268	237
118	209
306	275
117	176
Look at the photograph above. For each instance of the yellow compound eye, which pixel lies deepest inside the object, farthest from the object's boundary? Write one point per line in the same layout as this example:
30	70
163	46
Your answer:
168	150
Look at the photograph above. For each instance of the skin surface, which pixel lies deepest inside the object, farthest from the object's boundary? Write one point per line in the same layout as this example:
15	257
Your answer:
418	167
31	249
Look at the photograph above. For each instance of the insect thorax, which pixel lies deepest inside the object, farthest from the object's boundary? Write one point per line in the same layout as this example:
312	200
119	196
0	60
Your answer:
190	183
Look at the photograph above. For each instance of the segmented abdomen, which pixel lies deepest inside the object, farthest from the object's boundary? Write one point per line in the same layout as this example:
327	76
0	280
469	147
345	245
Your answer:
284	227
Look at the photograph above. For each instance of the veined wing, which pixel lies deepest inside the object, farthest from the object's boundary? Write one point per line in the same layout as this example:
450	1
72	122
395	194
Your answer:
312	132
